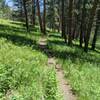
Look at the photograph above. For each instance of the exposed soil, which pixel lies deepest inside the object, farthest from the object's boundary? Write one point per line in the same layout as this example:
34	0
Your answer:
64	87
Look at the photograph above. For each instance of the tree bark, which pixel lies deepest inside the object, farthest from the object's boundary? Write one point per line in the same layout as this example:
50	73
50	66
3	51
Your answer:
39	15
26	15
92	14
63	22
44	18
96	30
33	12
83	24
70	22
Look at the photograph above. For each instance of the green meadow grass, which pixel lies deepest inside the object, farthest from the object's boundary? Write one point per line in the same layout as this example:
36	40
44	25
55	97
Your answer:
81	69
24	74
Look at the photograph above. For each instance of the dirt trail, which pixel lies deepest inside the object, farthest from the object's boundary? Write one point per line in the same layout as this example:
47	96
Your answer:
64	88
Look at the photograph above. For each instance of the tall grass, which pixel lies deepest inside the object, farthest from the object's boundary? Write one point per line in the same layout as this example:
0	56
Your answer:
24	74
81	69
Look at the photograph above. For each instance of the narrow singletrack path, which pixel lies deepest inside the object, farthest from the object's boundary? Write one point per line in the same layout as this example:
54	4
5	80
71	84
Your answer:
63	86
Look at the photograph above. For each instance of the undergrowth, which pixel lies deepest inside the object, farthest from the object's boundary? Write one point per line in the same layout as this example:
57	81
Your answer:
24	74
81	69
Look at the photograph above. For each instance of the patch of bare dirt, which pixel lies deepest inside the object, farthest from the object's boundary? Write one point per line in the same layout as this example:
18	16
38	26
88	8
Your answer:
64	88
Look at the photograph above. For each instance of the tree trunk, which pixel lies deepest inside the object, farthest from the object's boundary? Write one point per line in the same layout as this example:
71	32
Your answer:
63	22
96	30
63	26
70	22
83	24
78	19
39	15
26	16
33	12
92	14
44	17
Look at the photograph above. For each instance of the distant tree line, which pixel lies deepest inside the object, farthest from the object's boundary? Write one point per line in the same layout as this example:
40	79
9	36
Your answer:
75	19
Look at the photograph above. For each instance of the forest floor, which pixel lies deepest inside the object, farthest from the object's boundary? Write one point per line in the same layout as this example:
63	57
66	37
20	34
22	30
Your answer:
24	74
63	85
36	68
81	70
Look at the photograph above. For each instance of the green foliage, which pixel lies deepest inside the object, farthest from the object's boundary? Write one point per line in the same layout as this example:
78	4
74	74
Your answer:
5	11
51	86
24	74
81	69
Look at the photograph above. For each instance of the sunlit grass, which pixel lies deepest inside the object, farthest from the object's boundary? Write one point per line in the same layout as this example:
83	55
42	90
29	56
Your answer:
24	74
81	69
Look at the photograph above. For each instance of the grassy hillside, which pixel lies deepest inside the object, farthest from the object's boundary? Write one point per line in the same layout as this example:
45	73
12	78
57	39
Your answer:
24	74
81	69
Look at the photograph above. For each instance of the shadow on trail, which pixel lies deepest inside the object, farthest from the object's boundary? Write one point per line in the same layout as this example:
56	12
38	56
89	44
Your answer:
19	36
18	40
78	55
17	23
17	30
57	42
55	35
97	51
12	28
73	56
22	40
23	25
64	54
